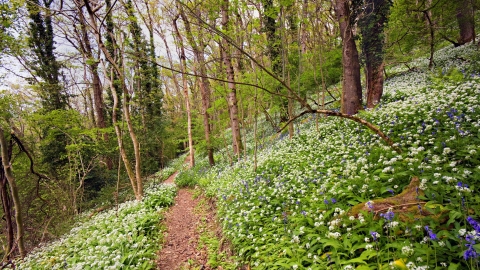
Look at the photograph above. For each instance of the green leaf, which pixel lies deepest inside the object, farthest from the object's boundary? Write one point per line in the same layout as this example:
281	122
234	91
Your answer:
333	243
453	266
355	260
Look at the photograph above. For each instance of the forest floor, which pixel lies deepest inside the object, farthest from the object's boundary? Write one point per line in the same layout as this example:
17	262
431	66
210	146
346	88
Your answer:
186	221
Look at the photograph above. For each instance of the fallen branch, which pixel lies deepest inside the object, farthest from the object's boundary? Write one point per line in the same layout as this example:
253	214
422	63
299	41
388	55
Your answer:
397	206
369	125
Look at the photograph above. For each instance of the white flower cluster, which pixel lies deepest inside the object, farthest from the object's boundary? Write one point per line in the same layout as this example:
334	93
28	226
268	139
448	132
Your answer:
110	240
298	181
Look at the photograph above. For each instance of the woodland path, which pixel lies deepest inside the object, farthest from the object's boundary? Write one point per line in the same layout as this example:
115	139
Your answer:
181	239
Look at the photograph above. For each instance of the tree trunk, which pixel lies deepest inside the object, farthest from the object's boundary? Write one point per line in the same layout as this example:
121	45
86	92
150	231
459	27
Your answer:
7	168
118	132
199	54
135	178
99	104
232	95
136	145
183	69
374	75
431	26
352	88
372	24
7	212
466	21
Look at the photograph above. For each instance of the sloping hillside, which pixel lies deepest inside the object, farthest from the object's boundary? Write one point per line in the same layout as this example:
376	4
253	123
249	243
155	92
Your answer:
294	211
335	196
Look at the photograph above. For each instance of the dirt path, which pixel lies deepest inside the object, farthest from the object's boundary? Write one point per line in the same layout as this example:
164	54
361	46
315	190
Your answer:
181	238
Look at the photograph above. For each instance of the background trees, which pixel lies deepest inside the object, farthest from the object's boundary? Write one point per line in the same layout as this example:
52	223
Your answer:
104	83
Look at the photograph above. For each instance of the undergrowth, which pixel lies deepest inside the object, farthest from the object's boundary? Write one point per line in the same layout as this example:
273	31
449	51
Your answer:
218	256
123	238
293	212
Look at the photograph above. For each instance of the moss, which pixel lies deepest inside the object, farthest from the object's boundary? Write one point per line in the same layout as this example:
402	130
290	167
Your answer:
405	205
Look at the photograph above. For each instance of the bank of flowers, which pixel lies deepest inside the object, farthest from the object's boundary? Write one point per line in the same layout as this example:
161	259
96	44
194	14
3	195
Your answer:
295	210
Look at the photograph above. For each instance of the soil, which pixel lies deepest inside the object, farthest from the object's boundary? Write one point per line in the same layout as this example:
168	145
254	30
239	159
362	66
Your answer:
179	249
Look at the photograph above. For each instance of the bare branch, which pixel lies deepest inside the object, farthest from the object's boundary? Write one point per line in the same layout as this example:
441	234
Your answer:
369	125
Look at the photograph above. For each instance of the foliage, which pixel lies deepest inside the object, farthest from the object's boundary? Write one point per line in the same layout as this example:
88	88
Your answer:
408	28
293	212
123	239
372	23
44	61
189	177
218	256
165	173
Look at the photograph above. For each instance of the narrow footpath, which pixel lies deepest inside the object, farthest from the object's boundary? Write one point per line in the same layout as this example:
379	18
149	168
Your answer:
179	249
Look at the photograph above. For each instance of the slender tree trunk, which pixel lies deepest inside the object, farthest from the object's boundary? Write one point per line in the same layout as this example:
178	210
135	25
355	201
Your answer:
204	83
183	69
118	132
232	95
99	104
7	168
291	128
303	30
91	109
136	145
352	88
7	213
431	27
135	178
255	139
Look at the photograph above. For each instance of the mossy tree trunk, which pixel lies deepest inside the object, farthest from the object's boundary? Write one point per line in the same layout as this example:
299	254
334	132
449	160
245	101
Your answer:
7	168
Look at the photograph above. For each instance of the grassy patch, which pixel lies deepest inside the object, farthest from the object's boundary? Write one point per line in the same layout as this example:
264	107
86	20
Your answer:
218	250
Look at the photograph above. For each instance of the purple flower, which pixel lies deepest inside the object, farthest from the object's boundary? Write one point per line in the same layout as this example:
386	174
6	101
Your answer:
325	201
388	215
431	235
391	191
375	236
470	253
474	223
460	184
370	205
334	200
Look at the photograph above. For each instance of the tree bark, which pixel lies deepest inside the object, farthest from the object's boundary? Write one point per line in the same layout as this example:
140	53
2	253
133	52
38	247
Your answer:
136	145
204	83
7	212
92	63
431	26
232	95
352	89
183	69
374	76
135	178
372	24
93	67
466	21
7	168
118	132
